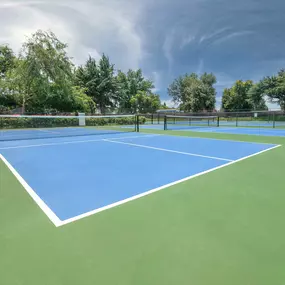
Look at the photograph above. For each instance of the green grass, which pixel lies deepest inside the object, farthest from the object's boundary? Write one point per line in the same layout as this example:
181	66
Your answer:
224	228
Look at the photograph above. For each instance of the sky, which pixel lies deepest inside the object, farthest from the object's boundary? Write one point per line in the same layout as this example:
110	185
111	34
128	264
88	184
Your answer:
233	39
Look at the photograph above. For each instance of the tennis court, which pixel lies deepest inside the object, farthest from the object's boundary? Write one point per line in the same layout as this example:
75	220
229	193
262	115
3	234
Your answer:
227	130
111	204
212	124
71	180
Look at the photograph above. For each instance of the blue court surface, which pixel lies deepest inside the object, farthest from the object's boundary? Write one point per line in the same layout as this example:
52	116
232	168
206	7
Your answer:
74	177
244	131
229	130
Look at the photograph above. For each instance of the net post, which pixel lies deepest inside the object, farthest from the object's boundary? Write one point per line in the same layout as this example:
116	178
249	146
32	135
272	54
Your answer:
208	122
137	120
218	121
158	118
81	121
152	118
274	120
236	119
165	123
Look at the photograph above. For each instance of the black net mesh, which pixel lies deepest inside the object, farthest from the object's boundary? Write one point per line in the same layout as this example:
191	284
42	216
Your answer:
37	127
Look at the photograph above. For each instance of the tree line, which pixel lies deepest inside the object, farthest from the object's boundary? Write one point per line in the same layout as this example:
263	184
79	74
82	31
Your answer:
196	94
43	79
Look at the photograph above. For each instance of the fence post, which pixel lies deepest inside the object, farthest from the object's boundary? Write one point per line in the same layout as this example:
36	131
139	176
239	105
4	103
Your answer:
165	123
274	120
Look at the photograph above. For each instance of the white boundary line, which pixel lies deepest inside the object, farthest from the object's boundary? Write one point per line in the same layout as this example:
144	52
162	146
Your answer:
51	215
75	142
46	131
57	222
168	150
158	189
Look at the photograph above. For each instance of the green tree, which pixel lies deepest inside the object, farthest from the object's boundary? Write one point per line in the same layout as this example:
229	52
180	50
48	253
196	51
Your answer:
7	98
87	77
176	90
144	103
227	100
274	88
236	98
7	63
82	102
129	85
256	97
194	93
43	74
99	82
7	60
108	86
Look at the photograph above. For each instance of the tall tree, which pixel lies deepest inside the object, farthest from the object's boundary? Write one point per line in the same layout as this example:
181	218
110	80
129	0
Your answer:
87	77
236	97
274	88
99	81
7	60
256	97
194	93
7	63
43	75
129	85
144	102
176	89
107	88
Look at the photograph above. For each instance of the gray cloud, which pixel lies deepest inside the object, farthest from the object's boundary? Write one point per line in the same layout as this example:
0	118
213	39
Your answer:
234	39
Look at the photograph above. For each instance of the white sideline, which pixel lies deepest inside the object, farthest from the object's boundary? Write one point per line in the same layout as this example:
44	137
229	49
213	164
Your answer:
169	150
51	215
158	189
75	142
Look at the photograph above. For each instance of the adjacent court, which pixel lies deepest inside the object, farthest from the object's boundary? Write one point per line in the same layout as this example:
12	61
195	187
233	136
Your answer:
74	178
257	131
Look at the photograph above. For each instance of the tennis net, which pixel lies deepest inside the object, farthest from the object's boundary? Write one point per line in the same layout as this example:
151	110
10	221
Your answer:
40	127
189	122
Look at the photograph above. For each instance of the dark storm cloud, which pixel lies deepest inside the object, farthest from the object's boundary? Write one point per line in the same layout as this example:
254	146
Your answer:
234	39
